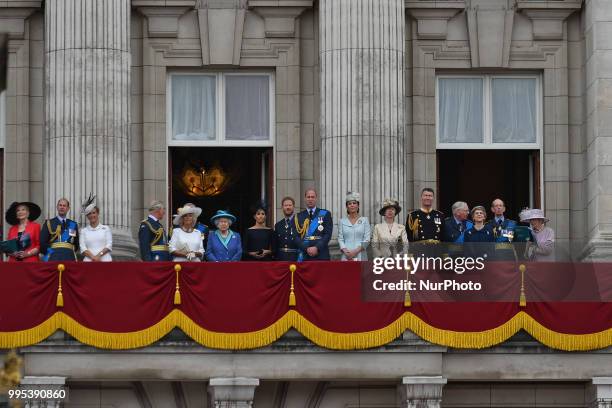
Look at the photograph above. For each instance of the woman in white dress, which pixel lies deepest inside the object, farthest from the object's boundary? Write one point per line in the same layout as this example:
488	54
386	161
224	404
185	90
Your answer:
389	237
186	242
354	231
95	240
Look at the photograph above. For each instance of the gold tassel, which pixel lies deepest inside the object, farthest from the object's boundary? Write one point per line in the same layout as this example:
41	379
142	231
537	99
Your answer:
177	292
522	297
60	297
407	300
292	302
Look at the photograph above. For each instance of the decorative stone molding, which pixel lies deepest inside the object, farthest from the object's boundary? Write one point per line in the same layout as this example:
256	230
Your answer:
46	384
279	19
489	25
12	21
599	393
232	392
547	16
432	17
421	392
221	27
163	21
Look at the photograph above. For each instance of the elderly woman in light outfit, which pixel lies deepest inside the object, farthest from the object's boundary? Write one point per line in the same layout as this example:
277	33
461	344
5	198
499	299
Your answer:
186	242
95	240
354	231
389	237
224	245
543	246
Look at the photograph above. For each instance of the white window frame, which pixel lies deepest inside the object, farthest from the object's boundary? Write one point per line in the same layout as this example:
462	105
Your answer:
487	116
220	139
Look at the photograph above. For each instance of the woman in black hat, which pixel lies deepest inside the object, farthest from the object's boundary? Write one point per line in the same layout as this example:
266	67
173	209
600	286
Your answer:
24	230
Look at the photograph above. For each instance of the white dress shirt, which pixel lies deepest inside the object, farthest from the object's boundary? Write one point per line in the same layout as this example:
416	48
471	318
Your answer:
95	240
186	242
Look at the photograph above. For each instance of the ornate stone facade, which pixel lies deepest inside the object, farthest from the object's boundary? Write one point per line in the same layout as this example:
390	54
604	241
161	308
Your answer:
87	112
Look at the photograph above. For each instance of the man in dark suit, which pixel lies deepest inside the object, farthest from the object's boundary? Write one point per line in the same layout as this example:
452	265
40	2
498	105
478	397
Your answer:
453	229
314	228
152	238
285	234
59	236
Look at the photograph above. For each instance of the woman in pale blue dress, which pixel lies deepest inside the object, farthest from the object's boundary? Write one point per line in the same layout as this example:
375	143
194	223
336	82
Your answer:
354	231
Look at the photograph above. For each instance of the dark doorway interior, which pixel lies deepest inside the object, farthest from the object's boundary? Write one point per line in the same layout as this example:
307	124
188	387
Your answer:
479	176
214	178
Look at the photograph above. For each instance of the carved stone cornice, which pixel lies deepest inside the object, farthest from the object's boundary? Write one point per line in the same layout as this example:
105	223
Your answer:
221	27
432	17
279	16
548	16
12	20
163	21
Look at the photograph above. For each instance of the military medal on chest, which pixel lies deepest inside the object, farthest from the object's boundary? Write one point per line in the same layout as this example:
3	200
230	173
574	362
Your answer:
320	221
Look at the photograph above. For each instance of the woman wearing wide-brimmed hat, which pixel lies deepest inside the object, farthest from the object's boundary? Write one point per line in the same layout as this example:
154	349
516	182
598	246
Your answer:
354	231
223	244
543	245
389	237
24	230
186	243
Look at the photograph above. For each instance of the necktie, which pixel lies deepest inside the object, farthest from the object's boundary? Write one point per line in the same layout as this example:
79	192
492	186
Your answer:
310	214
63	225
460	227
500	222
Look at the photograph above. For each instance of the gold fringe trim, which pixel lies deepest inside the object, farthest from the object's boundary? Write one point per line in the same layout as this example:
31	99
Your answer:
323	338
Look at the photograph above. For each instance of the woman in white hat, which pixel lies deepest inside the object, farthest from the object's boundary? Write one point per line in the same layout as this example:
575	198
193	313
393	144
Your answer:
354	231
96	239
186	242
389	237
543	246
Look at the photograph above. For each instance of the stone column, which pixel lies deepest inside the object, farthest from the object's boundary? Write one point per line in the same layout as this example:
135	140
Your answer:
87	85
362	103
597	22
232	392
599	393
421	392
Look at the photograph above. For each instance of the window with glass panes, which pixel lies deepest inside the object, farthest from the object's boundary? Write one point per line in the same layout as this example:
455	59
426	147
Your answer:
488	111
227	108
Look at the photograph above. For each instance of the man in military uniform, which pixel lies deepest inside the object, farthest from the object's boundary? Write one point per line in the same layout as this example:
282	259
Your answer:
453	229
314	228
59	236
152	239
425	224
285	234
203	228
503	229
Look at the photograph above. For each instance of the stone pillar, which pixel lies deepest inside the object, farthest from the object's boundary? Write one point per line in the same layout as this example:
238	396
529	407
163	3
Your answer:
361	50
44	384
87	85
232	392
599	393
421	392
597	22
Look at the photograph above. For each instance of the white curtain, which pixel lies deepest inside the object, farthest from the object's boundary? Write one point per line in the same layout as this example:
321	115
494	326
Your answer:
514	110
460	110
247	107
193	107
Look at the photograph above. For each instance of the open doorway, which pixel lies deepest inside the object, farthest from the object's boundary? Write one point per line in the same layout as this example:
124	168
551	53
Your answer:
479	176
222	178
